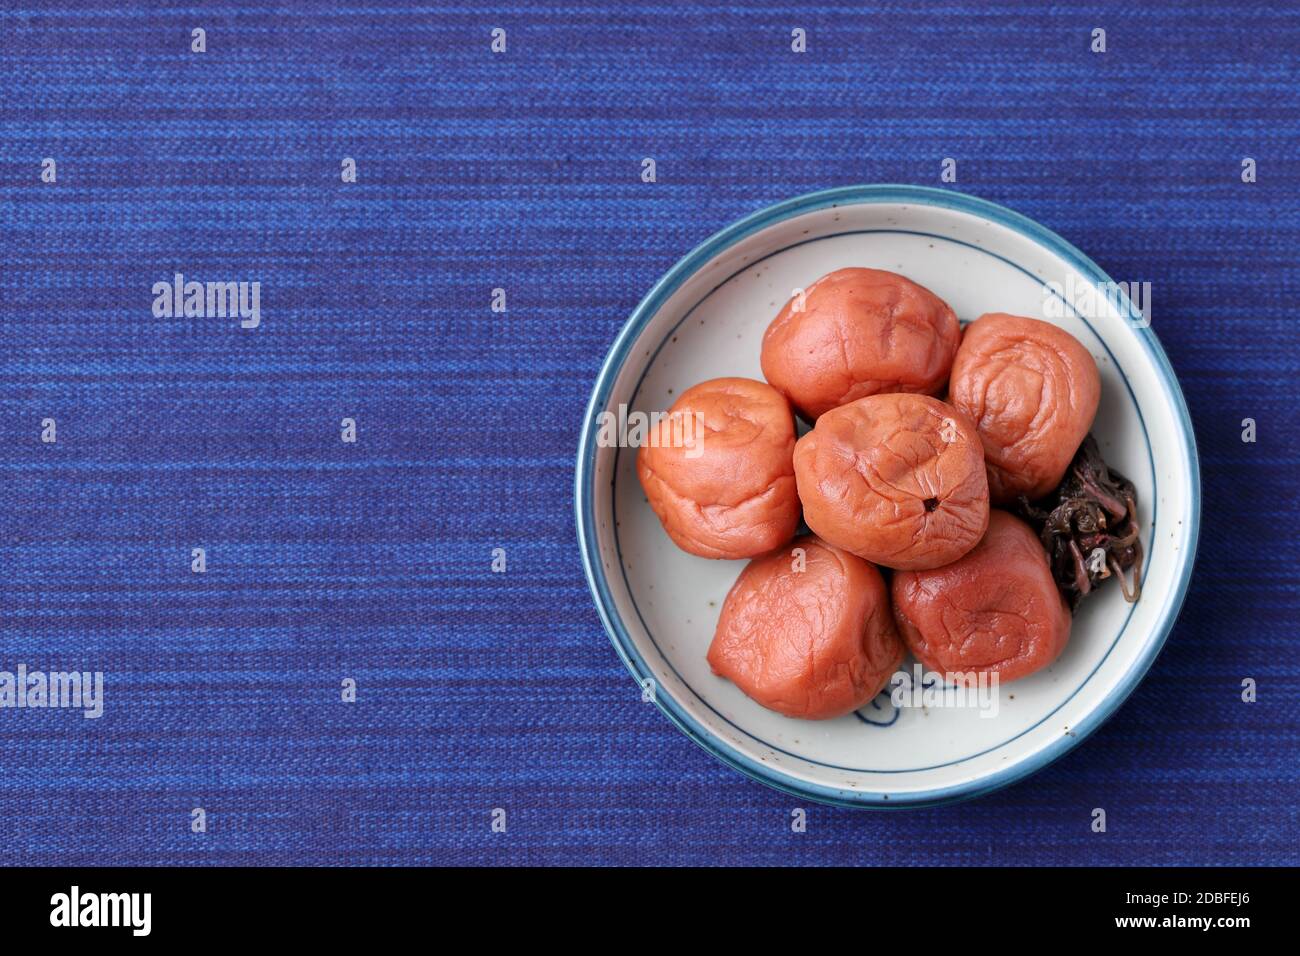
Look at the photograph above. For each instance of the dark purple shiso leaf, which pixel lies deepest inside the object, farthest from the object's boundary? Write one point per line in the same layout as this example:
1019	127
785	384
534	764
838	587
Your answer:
1089	528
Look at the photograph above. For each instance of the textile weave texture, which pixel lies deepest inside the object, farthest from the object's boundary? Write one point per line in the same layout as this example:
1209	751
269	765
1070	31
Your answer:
521	170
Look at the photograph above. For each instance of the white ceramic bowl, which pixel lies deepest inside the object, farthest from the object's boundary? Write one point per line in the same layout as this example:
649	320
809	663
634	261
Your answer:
706	319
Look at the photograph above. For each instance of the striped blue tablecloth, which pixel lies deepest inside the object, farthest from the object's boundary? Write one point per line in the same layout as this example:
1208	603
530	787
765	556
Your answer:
520	170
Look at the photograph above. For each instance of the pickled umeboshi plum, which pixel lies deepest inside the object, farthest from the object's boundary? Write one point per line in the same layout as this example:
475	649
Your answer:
727	490
1032	391
896	479
859	332
996	610
807	631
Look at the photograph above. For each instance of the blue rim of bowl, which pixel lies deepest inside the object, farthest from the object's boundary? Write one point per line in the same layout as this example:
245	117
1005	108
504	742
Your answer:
585	491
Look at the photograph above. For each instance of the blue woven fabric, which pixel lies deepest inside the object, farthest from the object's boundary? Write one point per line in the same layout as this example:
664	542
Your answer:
521	171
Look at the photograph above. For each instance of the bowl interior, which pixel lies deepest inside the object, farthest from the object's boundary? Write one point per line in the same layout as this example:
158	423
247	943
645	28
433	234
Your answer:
706	319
